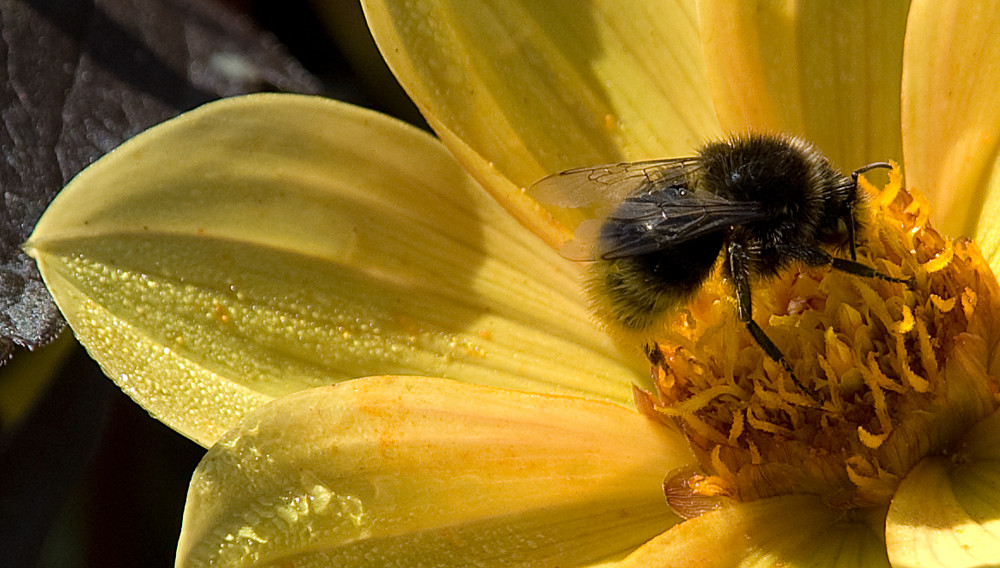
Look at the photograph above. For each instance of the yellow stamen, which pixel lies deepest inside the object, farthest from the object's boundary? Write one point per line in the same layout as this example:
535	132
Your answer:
897	372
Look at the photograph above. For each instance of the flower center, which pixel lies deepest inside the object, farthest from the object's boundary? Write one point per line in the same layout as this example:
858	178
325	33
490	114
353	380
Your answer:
897	372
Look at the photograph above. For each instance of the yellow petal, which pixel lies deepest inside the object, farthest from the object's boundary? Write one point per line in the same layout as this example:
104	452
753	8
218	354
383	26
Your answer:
829	71
987	232
408	471
946	511
532	88
793	531
262	245
951	112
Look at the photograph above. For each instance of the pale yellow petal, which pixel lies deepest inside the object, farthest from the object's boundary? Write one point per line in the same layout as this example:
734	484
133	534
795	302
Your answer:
406	471
829	71
262	245
946	511
793	531
987	232
951	110
531	88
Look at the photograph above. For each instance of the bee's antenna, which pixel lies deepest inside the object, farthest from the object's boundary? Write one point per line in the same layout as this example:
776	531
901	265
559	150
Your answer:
868	168
854	190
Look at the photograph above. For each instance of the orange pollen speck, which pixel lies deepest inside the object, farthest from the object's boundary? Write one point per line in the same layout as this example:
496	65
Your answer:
897	372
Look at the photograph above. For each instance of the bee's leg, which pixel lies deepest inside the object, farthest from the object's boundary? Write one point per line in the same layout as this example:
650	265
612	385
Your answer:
654	354
865	271
738	260
818	257
850	235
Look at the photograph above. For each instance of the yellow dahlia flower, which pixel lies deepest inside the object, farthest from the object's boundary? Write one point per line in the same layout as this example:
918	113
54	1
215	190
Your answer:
393	366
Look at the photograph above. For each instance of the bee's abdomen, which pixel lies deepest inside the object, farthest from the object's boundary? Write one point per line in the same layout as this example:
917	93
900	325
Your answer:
635	291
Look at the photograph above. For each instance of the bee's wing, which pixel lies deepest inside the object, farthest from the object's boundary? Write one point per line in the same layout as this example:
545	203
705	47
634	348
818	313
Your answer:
604	187
668	217
599	189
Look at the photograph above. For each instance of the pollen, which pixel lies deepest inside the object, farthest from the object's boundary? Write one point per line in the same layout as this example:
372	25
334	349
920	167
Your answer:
892	372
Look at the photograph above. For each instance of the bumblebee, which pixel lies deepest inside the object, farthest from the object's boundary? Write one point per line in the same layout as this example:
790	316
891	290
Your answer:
761	202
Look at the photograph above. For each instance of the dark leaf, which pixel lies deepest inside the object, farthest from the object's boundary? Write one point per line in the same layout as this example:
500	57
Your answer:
79	77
